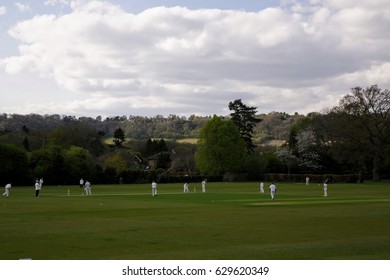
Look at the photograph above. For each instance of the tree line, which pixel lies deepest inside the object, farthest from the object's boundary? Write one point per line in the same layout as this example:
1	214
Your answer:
351	138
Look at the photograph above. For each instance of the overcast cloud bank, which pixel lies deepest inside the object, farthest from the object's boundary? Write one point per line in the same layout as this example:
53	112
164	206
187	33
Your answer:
299	57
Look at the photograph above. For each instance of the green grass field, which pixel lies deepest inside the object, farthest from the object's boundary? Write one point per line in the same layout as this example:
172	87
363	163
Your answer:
229	221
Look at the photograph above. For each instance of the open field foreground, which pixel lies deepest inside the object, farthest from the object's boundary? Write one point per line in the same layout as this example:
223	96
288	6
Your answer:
229	221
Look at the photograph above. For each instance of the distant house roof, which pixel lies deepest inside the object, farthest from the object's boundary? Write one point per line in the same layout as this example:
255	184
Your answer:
155	156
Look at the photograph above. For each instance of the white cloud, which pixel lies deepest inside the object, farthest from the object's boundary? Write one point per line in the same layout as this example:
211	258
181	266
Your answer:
22	7
350	4
378	73
57	2
196	61
3	10
50	3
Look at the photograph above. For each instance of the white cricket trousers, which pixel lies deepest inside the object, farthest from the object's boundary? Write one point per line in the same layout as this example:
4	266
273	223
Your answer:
6	193
88	191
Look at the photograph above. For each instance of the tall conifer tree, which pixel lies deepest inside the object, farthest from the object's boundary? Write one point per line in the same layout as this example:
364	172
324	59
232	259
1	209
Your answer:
244	117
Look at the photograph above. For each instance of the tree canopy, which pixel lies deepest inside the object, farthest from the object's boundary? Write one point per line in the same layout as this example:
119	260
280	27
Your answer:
362	126
220	148
244	117
119	136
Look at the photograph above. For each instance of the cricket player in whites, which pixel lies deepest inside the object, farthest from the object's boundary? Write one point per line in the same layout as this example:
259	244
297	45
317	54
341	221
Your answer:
87	188
272	189
7	188
38	188
204	185
326	187
185	187
154	188
261	187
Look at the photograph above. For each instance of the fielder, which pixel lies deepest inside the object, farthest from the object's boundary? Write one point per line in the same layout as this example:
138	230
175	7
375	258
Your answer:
81	183
154	188
7	188
204	185
326	187
37	188
307	180
87	188
261	187
272	189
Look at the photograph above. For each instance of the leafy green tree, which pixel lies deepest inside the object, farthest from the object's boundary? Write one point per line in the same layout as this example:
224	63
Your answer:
49	164
153	147
273	162
255	166
13	164
244	118
26	144
119	137
25	129
162	146
220	148
79	164
79	134
148	147
117	161
361	128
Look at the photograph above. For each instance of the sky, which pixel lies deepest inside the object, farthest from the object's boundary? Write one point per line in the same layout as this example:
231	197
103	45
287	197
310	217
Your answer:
161	57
